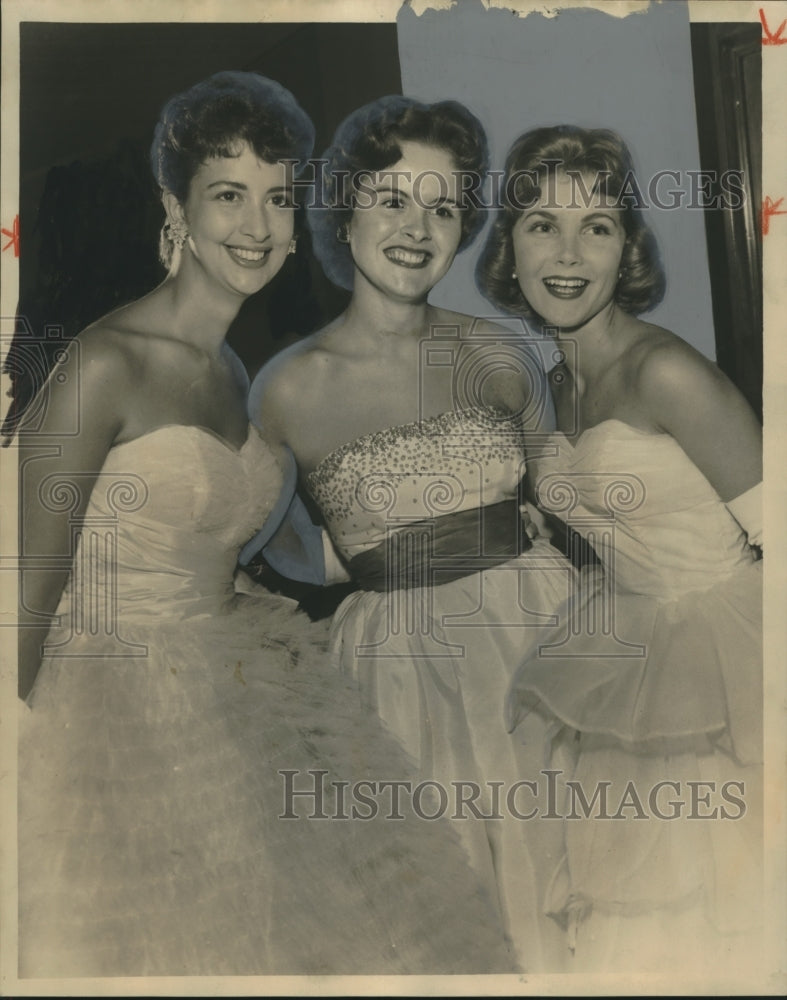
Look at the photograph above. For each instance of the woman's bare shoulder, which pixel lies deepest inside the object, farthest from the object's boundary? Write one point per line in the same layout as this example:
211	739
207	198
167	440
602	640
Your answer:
289	376
138	337
110	348
659	357
682	390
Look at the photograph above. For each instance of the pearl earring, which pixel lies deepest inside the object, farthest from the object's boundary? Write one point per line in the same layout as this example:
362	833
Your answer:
513	275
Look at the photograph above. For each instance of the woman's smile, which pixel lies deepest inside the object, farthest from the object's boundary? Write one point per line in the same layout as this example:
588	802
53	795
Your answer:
568	254
565	288
405	234
405	257
246	257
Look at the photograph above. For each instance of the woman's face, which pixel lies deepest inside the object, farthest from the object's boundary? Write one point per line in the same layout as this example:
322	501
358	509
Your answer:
407	224
239	213
568	249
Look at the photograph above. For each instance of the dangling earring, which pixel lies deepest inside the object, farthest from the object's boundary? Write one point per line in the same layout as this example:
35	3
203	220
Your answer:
342	234
513	275
293	245
176	232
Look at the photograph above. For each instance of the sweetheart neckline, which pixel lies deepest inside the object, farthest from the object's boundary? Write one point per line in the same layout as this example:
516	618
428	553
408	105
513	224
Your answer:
206	431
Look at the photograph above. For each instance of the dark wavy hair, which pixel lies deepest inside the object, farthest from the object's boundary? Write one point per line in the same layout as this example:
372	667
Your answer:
569	148
215	118
369	140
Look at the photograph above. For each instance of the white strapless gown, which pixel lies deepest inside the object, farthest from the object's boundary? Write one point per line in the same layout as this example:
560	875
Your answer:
150	789
435	661
657	672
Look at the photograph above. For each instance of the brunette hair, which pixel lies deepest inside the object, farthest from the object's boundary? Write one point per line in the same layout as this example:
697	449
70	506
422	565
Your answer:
368	141
215	118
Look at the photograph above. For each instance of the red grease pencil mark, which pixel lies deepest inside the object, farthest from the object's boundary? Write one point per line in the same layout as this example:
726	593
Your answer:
769	208
14	237
770	39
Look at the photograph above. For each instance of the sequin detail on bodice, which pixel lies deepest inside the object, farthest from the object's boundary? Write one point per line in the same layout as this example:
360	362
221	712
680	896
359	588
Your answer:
412	472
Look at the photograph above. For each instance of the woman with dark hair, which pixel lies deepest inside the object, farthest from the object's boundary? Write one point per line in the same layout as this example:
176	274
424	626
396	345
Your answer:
368	142
174	724
657	459
408	425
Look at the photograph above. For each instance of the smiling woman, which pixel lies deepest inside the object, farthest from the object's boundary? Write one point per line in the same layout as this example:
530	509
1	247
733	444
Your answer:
226	175
164	704
408	226
657	461
239	215
408	424
567	255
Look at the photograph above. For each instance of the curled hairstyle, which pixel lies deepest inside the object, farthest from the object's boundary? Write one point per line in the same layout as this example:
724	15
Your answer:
369	141
217	116
574	150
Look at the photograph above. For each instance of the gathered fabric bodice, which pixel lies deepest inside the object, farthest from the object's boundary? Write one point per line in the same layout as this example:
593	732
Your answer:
655	521
161	545
456	461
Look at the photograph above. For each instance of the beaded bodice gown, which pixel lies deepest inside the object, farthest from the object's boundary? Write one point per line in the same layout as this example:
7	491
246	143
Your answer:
434	645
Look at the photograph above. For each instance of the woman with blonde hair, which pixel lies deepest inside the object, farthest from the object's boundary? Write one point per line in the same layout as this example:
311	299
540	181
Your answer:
657	678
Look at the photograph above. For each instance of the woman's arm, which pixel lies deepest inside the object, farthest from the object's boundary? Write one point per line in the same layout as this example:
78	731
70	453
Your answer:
690	398
273	403
82	405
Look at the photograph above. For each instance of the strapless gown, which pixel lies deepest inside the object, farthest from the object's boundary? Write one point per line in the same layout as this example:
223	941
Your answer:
435	660
150	760
657	670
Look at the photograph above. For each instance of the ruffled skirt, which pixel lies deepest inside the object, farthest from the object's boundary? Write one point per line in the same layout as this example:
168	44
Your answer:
161	831
660	754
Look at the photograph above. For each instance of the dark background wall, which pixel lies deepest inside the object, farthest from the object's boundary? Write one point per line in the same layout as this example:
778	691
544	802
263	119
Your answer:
727	62
89	209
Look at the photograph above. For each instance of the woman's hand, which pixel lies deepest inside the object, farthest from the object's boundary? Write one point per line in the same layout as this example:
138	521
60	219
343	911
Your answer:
534	523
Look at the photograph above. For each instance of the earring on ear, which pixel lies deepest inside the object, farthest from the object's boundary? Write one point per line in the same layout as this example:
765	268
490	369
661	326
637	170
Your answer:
513	275
342	233
293	245
177	233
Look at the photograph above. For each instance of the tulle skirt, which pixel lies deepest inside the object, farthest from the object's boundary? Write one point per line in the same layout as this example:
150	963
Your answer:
660	721
161	829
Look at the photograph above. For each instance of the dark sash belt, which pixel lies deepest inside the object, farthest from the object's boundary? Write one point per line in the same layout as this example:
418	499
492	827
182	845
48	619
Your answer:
442	549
